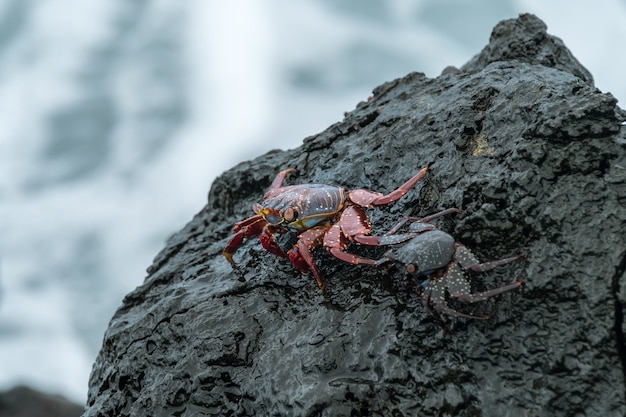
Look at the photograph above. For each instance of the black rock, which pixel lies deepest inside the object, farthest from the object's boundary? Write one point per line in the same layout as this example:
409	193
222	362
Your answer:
523	142
23	401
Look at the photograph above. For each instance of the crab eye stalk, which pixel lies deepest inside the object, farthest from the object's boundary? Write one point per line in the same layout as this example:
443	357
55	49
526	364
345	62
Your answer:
290	214
411	268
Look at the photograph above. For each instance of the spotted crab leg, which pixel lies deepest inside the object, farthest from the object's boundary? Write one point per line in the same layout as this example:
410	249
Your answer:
468	260
366	198
454	282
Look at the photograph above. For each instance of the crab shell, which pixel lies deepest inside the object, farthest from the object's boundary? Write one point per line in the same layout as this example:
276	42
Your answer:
301	207
425	253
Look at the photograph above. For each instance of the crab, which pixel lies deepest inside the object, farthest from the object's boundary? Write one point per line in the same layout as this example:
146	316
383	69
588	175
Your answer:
430	253
323	215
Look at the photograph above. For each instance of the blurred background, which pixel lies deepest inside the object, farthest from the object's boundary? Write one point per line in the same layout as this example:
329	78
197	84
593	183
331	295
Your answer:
116	116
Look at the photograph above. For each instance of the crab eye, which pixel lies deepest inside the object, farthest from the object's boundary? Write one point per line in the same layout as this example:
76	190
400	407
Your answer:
411	268
290	214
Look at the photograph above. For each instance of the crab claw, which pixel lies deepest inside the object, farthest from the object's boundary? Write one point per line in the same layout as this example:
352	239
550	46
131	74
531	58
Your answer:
270	245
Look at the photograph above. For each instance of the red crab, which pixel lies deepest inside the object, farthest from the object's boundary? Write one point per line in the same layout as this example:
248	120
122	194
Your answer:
325	215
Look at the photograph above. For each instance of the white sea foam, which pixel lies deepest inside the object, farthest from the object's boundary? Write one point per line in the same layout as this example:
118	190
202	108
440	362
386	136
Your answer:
190	88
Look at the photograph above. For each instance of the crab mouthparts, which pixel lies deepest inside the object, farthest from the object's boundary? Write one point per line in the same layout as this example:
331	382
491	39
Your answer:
271	216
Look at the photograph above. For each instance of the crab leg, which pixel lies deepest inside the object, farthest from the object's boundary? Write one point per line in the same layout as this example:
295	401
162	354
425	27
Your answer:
301	257
252	226
443	308
277	183
420	225
426	219
249	222
457	286
482	296
468	260
268	242
366	198
353	225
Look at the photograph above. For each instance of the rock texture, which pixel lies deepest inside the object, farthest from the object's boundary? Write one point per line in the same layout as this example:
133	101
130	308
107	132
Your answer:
522	141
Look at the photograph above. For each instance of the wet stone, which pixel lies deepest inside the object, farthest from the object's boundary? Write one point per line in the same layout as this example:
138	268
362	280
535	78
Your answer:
521	140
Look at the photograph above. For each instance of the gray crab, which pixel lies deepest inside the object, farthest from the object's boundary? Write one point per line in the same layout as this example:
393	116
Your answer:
427	252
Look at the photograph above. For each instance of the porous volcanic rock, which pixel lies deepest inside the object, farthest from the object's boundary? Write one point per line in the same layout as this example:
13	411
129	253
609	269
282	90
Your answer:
522	141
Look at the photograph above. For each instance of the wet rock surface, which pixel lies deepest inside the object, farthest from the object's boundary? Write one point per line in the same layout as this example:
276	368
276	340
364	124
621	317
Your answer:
523	142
